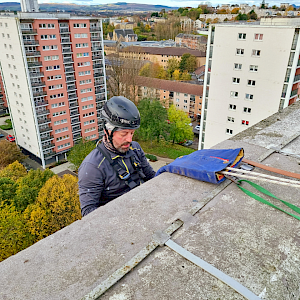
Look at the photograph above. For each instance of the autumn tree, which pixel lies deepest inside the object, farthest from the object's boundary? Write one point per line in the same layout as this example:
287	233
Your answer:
14	235
9	152
172	65
29	187
154	71
14	171
153	120
176	75
179	125
7	190
79	151
188	62
57	206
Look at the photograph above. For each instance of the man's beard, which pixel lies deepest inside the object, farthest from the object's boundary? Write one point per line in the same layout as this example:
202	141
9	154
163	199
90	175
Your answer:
121	150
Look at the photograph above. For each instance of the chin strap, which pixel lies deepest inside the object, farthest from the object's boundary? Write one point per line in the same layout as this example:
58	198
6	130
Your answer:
110	136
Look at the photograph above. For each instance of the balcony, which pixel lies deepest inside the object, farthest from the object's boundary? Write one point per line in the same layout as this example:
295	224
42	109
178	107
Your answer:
33	54
100	98
76	136
44	129
297	78
98	91
47	138
31	43
97	66
42	112
294	93
69	70
41	104
96	39
67	60
73	104
96	49
38	94
70	79
74	112
44	121
95	57
38	84
71	87
64	30
72	97
99	105
48	146
49	154
93	29
34	64
75	120
66	50
98	74
65	41
76	128
36	74
28	31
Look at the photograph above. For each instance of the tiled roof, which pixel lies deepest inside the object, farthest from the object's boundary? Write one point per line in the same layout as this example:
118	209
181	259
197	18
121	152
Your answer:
170	85
200	70
164	51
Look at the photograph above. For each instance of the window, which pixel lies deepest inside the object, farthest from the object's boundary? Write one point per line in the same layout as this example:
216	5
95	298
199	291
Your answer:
258	37
185	95
57	96
232	106
55	57
12	57
255	52
185	101
48	36
251	82
253	68
88	114
87	106
80	35
85	63
230	119
248	96
229	131
84	73
81	25
46	58
55	87
50	47
90	129
239	51
234	94
236	80
85	90
85	54
8	36
244	122
83	45
247	110
238	66
242	36
55	77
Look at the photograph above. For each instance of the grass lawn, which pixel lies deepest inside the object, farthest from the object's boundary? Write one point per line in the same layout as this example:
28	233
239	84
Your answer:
165	149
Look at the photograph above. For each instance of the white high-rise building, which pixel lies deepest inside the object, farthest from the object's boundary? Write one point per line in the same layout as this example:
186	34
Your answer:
252	71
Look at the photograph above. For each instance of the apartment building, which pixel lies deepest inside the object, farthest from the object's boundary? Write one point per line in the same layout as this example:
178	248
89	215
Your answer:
191	41
252	71
185	96
3	102
161	55
54	80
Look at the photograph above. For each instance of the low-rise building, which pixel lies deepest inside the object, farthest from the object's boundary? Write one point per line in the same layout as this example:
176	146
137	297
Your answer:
122	35
185	96
191	41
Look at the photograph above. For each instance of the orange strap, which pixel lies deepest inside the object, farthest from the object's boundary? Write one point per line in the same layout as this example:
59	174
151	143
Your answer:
271	169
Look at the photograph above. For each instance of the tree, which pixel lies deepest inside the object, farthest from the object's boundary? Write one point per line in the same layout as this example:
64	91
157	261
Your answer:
153	120
263	4
107	28
14	235
57	206
154	71
79	151
185	76
9	152
7	190
14	171
176	75
172	65
235	10
29	187
241	17
188	62
252	15
179	125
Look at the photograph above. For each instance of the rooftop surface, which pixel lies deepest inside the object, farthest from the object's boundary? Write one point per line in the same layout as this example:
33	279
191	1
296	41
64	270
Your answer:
255	244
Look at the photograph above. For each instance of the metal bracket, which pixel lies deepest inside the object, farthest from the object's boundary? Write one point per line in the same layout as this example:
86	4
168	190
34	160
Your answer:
160	237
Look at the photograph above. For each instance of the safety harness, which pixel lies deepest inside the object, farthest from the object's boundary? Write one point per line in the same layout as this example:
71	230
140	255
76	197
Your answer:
122	173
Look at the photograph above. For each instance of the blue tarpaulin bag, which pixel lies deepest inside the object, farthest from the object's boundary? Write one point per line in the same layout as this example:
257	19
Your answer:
204	164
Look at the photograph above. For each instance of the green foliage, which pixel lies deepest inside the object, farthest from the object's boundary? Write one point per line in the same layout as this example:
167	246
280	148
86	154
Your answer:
194	13
179	125
151	157
154	71
7	190
79	151
57	206
241	17
172	65
165	149
29	187
8	126
154	14
9	152
188	63
252	15
14	171
153	120
14	235
107	28
142	37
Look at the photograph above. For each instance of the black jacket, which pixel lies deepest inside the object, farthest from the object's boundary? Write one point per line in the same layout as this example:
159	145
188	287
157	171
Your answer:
99	183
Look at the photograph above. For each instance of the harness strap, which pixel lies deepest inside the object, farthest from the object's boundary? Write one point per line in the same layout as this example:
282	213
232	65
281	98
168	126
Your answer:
123	174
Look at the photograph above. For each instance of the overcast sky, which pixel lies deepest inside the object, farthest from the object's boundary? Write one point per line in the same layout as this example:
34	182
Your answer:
172	3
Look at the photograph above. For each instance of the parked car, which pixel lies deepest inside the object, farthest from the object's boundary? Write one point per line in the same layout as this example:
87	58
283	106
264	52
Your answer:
1	135
197	127
10	138
27	166
188	143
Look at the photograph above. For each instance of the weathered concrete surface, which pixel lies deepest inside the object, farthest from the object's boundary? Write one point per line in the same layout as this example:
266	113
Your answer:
254	243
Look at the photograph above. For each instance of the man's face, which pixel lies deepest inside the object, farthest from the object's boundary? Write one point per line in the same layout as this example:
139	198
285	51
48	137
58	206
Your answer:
122	139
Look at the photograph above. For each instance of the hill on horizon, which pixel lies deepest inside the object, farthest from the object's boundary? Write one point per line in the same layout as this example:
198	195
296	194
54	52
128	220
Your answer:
71	7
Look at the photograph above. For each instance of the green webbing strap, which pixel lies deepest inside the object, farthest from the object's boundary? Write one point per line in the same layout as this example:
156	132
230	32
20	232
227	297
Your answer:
266	192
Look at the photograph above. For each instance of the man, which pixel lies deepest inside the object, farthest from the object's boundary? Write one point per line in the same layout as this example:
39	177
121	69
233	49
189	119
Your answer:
118	164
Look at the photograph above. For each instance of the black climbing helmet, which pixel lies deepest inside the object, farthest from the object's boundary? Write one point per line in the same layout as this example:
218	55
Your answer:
120	112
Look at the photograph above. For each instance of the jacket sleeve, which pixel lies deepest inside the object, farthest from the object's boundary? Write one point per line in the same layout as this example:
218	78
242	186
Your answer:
146	167
91	184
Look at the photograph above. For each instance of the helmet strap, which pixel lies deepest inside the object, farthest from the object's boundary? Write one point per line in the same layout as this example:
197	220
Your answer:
110	136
